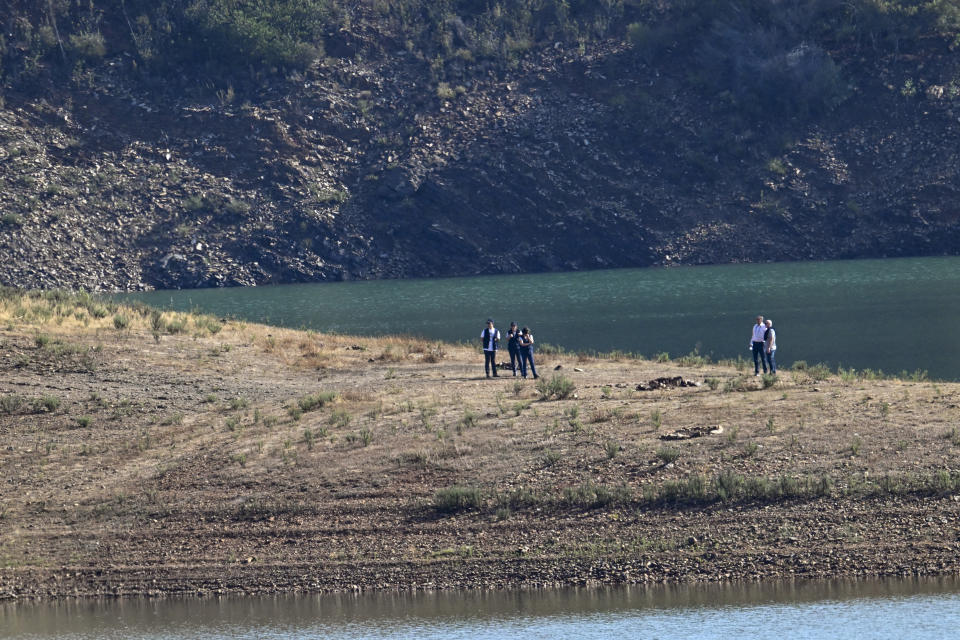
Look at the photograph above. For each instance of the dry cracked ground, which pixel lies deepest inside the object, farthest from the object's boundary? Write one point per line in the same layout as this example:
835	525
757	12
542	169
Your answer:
148	453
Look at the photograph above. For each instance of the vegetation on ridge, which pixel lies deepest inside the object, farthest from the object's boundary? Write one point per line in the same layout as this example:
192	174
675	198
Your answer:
741	38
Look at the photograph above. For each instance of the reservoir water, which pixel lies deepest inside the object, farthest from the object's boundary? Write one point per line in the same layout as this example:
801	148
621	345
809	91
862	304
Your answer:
816	610
892	315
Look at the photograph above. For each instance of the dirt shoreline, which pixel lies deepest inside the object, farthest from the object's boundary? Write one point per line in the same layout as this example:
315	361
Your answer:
184	455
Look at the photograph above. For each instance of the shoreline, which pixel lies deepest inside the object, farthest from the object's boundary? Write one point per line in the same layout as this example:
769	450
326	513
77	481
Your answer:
153	454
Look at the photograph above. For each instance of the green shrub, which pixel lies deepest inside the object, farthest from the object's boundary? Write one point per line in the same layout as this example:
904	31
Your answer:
557	385
728	485
98	311
737	383
12	403
177	325
693	359
11	220
46	403
316	401
157	323
592	496
819	371
668	455
88	45
339	418
121	322
457	498
551	457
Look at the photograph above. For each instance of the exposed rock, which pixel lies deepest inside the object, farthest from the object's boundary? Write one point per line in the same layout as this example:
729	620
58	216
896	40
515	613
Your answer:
666	383
692	432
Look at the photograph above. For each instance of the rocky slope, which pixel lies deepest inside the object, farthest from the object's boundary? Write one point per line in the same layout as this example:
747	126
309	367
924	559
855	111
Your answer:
364	166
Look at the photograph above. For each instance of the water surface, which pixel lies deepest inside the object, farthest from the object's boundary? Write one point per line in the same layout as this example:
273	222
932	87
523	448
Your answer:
889	609
882	314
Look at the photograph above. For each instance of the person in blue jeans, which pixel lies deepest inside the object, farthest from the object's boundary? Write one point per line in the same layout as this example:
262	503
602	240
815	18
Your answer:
513	344
756	346
526	353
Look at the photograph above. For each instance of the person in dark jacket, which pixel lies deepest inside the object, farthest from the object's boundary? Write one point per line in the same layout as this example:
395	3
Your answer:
526	353
513	344
490	338
770	345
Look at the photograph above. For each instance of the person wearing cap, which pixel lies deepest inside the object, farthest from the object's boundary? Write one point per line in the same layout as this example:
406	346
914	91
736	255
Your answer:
770	345
513	344
490	339
526	353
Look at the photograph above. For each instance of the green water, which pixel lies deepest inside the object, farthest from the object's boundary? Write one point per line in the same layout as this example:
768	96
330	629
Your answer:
812	610
892	315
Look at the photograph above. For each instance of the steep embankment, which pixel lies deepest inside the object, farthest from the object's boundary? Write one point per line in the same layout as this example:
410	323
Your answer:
170	454
375	163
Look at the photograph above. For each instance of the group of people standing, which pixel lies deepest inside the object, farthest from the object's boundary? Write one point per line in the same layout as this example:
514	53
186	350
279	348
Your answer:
763	344
519	343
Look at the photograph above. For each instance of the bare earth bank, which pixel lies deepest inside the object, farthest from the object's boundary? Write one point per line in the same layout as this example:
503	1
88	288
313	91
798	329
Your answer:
176	454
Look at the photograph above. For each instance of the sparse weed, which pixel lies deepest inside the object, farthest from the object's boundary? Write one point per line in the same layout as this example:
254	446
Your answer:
855	445
667	455
737	383
611	448
656	419
340	418
468	421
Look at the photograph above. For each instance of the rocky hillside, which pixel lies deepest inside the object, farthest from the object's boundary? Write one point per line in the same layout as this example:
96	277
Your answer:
741	137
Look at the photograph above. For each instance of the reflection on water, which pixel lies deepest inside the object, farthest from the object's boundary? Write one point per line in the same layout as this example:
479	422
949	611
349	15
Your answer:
878	609
882	314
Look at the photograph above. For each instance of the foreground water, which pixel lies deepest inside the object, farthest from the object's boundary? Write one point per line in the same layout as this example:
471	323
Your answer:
892	315
889	609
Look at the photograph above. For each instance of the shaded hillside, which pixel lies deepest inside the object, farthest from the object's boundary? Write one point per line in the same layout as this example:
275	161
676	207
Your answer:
376	143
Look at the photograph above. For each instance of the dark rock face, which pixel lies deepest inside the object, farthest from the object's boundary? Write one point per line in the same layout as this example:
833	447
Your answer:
572	160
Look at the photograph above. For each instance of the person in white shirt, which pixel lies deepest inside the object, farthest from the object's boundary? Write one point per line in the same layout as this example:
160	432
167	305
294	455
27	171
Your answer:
770	345
756	346
490	339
